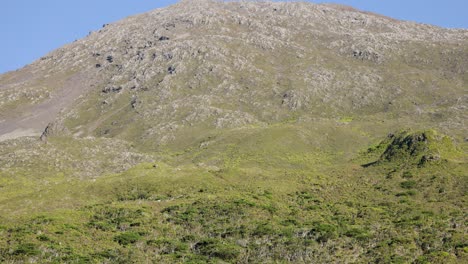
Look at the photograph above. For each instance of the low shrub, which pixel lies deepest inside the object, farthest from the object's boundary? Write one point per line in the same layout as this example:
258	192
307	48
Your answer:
127	238
28	249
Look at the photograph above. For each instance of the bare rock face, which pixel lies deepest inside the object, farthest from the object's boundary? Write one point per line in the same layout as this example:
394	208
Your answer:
216	64
53	129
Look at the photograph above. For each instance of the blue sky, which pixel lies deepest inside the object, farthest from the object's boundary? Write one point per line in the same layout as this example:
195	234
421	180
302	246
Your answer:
30	29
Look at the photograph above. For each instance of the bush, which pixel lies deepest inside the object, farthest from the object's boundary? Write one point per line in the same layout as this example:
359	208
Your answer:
167	246
214	248
264	229
106	254
407	175
357	233
28	249
408	184
43	238
127	238
324	232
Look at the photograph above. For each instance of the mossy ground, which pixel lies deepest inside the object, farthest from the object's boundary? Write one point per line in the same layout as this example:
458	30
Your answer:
258	194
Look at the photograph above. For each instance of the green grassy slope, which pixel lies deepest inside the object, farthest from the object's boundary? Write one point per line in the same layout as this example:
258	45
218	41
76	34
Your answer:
257	194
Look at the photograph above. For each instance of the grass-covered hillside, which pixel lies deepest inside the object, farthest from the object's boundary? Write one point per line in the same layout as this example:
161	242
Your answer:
250	195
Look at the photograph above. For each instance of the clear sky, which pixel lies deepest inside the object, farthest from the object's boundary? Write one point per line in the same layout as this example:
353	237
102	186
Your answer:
29	29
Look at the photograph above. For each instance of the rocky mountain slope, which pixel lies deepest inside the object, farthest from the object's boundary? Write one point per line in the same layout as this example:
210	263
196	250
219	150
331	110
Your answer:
223	65
238	132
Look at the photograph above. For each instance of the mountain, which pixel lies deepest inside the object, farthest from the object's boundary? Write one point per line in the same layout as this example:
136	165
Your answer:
238	131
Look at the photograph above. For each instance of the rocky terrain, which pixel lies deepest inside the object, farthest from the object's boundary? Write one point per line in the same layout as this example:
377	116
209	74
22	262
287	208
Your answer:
255	131
225	65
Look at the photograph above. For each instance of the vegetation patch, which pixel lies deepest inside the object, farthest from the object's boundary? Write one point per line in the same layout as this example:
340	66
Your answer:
127	238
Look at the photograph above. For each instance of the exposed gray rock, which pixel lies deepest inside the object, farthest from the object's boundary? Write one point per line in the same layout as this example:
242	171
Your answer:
171	70
292	100
134	102
53	129
112	89
367	55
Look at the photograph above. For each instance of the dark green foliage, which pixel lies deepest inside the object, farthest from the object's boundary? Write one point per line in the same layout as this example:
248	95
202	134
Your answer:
324	232
43	238
214	248
127	238
27	249
357	233
418	148
406	147
264	229
408	184
407	175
